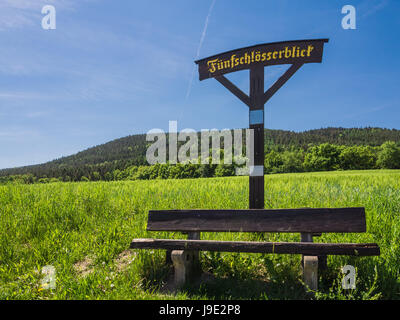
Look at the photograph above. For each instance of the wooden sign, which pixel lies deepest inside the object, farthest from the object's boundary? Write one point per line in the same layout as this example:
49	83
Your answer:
287	52
255	58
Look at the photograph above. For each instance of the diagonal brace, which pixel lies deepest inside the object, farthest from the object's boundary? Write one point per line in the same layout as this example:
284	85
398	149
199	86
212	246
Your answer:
235	90
281	81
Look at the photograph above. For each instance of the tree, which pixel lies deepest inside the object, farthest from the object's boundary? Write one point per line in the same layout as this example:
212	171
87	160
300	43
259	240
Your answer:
273	162
117	174
389	156
324	157
292	161
95	176
108	176
357	158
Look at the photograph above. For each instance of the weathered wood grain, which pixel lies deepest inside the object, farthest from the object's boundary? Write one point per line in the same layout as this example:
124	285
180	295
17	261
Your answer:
307	220
305	248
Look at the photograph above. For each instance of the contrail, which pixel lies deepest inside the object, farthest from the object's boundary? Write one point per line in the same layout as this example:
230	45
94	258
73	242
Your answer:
203	35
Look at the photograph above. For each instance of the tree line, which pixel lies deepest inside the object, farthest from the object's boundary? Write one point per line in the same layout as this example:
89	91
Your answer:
278	159
131	150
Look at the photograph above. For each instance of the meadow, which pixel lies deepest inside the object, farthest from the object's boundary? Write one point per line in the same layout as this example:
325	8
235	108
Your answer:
84	230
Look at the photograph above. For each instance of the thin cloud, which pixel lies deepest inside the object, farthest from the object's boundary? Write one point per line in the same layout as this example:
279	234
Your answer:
369	8
203	36
18	134
370	110
18	95
26	95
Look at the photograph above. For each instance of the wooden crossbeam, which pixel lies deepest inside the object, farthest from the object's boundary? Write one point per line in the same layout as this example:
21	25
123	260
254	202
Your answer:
268	94
281	81
234	89
305	248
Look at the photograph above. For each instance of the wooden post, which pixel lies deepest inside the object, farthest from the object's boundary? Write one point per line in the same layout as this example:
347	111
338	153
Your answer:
256	58
256	101
256	123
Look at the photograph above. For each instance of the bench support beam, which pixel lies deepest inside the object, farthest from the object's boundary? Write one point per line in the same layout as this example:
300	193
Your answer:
307	249
186	266
310	265
310	272
186	263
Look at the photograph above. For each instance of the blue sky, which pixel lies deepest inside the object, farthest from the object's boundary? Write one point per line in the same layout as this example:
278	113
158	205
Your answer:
116	68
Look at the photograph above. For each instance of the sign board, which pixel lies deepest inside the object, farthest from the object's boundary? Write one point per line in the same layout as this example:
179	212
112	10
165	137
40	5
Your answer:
287	52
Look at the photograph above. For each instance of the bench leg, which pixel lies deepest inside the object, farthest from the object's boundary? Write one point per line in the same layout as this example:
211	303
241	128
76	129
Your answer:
168	259
186	263
186	266
322	262
310	272
310	265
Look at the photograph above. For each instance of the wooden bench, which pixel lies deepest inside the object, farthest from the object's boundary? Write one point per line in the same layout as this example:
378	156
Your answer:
306	221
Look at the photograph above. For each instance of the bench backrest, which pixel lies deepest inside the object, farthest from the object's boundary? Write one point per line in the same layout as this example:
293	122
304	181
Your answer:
305	220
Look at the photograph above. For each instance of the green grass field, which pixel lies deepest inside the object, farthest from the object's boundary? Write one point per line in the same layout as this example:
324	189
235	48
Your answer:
84	230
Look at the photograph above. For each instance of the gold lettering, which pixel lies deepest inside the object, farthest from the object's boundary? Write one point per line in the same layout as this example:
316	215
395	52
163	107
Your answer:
213	63
233	60
257	56
264	57
310	48
247	58
288	53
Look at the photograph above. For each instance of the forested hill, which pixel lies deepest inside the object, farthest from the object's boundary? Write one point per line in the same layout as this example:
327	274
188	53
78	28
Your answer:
339	136
131	150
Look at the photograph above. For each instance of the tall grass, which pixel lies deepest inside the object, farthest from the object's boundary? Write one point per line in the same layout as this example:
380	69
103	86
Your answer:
82	228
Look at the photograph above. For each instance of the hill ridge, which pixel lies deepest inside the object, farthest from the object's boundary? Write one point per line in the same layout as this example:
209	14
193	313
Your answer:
131	150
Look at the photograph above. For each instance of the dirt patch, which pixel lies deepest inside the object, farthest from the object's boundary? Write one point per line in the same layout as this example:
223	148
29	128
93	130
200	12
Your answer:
83	268
124	259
